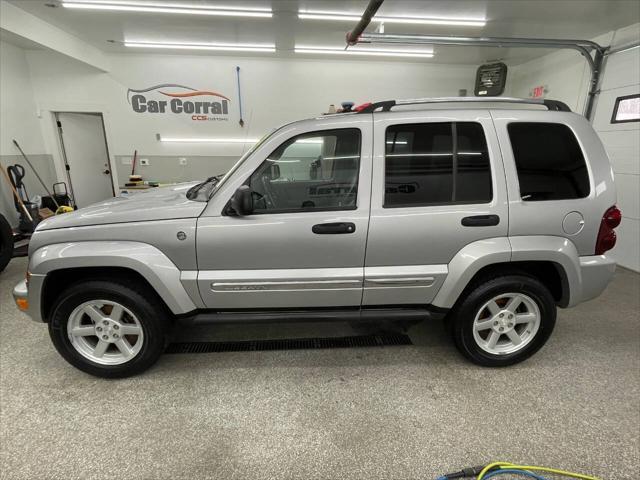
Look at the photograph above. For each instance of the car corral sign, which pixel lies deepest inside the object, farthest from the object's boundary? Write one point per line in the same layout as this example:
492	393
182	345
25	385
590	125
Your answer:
182	100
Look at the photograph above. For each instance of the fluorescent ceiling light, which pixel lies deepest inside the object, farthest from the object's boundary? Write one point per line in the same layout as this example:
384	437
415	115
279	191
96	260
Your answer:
221	47
161	7
381	52
206	140
351	17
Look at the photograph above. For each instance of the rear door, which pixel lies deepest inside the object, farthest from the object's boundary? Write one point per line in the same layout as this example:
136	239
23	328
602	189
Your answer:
438	185
304	244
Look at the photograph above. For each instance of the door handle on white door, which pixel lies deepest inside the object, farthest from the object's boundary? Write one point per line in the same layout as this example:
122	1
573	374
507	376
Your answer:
333	228
107	172
480	221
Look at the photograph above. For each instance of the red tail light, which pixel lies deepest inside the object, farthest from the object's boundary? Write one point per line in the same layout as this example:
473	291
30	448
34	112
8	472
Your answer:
612	217
606	236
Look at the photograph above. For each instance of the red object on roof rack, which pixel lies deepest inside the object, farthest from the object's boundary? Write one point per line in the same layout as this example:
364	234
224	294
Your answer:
363	106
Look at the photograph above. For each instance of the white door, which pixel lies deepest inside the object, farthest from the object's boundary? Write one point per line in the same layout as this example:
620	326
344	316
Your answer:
304	244
438	185
87	158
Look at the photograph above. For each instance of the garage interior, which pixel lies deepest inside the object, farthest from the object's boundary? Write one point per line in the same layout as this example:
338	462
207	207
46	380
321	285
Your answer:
78	95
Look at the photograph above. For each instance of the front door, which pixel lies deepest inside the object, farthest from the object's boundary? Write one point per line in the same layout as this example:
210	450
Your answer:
304	244
438	185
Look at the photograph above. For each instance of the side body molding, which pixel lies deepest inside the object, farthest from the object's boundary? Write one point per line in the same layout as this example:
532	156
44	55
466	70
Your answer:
466	263
147	260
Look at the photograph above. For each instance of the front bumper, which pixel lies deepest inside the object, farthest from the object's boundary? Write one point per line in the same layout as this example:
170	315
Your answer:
27	297
596	272
21	296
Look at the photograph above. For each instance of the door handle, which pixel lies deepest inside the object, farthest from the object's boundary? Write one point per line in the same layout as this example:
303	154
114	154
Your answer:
481	221
107	172
333	228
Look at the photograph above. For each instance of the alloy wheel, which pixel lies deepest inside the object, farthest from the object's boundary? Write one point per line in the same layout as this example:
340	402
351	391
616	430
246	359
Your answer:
506	324
105	332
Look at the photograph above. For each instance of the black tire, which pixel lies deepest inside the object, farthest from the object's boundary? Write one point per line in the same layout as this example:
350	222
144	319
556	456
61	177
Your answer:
143	303
464	313
6	242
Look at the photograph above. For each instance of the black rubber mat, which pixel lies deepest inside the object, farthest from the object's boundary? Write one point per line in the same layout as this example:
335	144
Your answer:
359	341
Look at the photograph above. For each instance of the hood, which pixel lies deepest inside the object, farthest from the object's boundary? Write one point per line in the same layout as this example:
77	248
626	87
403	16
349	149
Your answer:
160	203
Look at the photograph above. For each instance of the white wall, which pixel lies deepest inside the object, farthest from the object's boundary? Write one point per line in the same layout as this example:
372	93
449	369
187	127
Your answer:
18	120
565	73
275	91
17	105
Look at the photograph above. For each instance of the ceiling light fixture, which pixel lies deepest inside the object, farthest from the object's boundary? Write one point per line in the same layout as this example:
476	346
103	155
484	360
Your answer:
206	140
354	17
161	7
379	52
221	47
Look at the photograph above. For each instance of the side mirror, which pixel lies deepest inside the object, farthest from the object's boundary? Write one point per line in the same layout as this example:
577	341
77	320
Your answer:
275	171
242	201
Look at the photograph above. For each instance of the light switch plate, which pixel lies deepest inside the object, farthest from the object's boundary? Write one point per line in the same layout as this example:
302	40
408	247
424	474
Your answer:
144	161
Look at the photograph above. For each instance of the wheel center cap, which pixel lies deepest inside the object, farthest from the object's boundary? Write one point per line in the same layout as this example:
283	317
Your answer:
503	322
108	330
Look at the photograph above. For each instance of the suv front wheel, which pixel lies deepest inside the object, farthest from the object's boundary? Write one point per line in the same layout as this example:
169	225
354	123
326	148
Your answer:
504	320
107	329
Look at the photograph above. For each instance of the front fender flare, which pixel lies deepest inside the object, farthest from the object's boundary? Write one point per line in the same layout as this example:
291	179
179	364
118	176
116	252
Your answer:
145	259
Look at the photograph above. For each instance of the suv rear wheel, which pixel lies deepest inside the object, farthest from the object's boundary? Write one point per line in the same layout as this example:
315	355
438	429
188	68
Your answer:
108	329
504	320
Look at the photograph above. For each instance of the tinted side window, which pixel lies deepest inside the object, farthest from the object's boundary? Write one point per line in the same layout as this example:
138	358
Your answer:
436	164
549	162
313	171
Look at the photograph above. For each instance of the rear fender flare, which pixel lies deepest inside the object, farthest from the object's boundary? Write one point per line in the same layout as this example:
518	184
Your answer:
477	255
466	263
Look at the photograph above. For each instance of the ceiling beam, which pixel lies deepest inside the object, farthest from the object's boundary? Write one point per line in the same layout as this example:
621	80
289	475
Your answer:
30	27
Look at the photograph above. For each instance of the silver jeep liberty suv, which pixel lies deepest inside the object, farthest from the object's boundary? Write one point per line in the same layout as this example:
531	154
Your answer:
488	213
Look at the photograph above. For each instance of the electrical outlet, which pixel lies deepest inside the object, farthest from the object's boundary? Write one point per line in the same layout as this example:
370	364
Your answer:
182	161
126	161
144	162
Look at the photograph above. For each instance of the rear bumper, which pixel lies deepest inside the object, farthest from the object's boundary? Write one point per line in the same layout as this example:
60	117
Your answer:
596	272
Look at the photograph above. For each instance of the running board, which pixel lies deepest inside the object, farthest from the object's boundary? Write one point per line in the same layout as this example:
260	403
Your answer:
359	341
355	315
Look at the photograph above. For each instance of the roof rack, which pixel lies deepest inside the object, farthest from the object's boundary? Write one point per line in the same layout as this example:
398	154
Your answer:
386	105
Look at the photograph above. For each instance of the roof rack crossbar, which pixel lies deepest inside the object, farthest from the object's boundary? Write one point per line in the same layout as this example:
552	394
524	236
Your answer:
385	106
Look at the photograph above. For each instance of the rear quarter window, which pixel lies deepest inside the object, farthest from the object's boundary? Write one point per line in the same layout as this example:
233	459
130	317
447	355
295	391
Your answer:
549	162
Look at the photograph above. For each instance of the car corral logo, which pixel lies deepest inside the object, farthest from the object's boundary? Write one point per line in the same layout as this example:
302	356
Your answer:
181	102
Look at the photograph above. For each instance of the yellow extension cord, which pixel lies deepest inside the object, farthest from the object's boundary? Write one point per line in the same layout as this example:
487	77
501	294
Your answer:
506	465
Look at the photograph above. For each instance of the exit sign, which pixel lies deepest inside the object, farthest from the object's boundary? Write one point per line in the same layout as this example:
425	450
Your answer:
538	92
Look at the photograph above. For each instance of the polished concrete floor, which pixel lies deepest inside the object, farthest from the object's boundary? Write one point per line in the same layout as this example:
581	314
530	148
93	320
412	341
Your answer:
408	412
